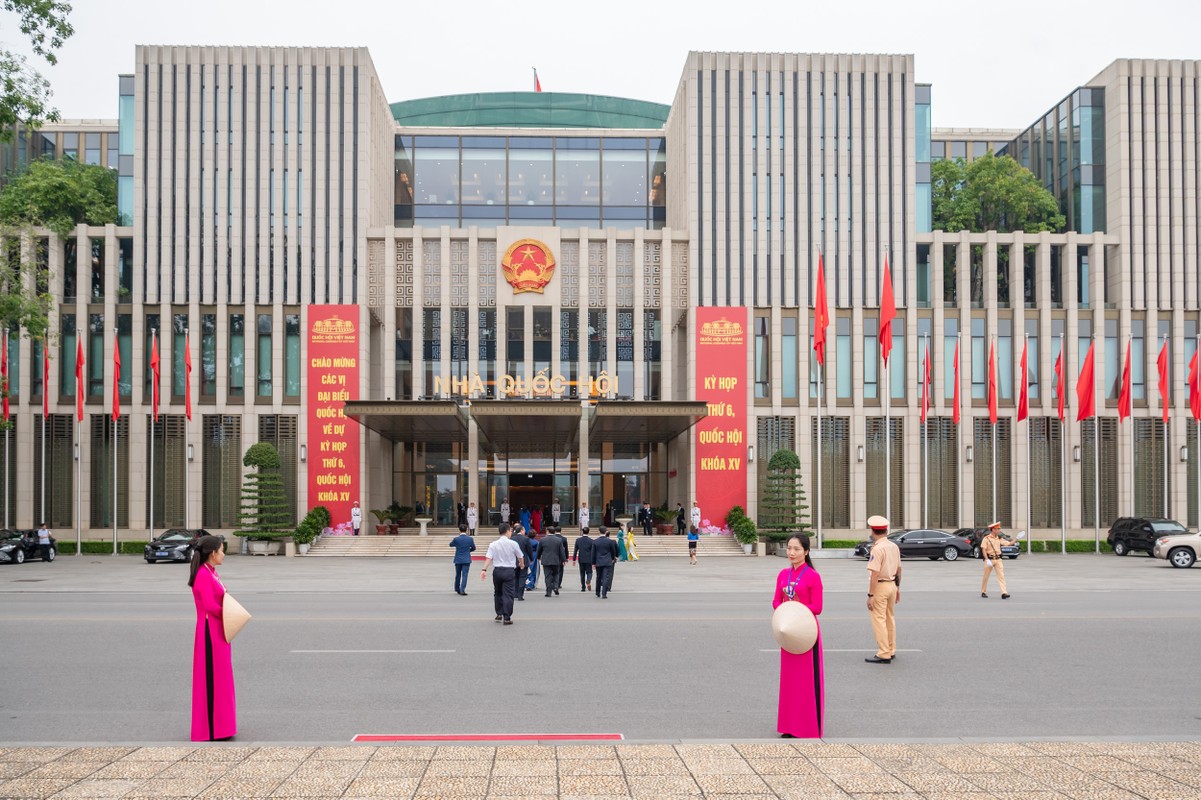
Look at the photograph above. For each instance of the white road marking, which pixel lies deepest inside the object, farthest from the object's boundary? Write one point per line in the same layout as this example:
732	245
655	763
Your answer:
838	650
372	651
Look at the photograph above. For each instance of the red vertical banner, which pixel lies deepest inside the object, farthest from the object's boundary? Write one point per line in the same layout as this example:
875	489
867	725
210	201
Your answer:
333	378
722	336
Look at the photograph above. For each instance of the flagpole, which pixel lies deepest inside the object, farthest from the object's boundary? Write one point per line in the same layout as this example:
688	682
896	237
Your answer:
1063	459
45	390
78	448
116	392
1096	466
1029	447
958	432
153	389
1167	461
821	447
887	443
926	439
996	379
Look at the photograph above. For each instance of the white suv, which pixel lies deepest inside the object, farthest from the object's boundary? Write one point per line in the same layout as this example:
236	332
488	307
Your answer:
1180	549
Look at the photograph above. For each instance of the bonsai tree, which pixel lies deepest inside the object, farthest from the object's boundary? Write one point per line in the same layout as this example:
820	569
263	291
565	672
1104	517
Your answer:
783	504
264	507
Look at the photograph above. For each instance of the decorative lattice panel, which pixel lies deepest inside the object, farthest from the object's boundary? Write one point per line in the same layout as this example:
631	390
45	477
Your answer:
431	274
460	283
404	273
375	273
652	274
487	274
625	274
598	254
569	274
679	274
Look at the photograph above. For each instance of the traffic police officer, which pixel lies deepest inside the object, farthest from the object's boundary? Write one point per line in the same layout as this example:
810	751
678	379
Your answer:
883	590
990	550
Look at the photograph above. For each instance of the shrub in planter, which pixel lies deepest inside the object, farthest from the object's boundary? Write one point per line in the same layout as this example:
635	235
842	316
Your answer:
744	530
264	507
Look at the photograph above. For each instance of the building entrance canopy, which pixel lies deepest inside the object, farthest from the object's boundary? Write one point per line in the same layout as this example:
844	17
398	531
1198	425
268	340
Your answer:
528	426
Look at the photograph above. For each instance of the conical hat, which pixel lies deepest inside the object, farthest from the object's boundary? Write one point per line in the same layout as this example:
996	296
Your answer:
233	616
794	627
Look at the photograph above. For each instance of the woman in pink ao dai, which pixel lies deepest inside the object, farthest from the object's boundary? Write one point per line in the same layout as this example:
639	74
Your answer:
214	709
802	682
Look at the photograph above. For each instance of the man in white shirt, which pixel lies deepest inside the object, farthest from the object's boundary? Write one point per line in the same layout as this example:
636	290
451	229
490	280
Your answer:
506	558
473	517
555	511
356	517
584	519
696	515
44	542
504	510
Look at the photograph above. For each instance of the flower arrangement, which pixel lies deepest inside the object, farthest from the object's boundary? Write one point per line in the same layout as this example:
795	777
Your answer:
709	529
341	529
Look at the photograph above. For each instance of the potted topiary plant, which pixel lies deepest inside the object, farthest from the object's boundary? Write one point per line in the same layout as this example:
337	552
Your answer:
745	532
384	516
264	515
664	520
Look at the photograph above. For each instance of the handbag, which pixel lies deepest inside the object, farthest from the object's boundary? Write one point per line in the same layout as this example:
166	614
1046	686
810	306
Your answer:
233	617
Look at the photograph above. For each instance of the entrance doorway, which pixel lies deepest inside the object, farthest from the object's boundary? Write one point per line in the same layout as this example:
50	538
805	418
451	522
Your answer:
532	490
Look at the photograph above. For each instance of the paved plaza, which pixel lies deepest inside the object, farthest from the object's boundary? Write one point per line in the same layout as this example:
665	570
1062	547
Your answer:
1065	690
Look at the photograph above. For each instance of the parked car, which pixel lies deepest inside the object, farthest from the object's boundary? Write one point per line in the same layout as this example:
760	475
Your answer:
1009	549
918	542
1140	533
1180	549
173	544
18	546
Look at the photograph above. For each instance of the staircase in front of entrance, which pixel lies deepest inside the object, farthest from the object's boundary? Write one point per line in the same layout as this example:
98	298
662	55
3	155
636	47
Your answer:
437	545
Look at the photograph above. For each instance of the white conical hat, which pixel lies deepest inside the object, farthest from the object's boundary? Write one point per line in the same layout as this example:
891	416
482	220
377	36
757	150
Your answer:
794	627
233	616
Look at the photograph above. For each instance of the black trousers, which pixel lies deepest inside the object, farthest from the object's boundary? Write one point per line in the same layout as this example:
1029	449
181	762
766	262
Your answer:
504	580
522	575
554	576
680	527
604	580
648	528
585	574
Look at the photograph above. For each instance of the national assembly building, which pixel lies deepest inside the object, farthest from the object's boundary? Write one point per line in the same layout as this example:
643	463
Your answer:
538	297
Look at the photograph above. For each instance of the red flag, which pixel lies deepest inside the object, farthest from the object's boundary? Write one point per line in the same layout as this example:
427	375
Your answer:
926	385
187	370
1194	385
821	314
116	380
1085	391
45	379
1060	384
955	401
888	312
1124	392
992	382
4	375
1162	363
79	391
1023	390
537	83
154	369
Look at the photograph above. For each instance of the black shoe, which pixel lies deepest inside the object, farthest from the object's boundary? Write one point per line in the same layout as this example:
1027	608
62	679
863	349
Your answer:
498	617
546	595
878	660
556	592
582	589
604	597
787	736
463	593
1004	597
522	599
982	594
508	622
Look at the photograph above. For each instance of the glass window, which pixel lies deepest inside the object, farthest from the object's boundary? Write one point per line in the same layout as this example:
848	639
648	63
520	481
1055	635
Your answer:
871	358
1138	359
896	360
515	334
66	359
431	332
950	340
938	151
237	355
958	149
208	355
291	355
598	346
1082	279
842	357
921	124
979	361
979	149
569	346
154	332
577	172
1113	359
404	354
658	190
436	175
124	270
762	358
624	174
97	268
179	334
1005	359
70	269
125	344
14	363
263	357
625	353
1032	358
651	354
71	146
542	339
483	174
788	357
531	171
35	367
487	350
925	200
125	124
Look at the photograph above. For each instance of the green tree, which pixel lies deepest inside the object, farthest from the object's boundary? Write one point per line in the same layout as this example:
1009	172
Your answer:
59	195
783	507
992	193
24	93
264	505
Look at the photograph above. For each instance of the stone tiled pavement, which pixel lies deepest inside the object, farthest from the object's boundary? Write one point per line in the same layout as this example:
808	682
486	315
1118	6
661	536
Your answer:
1086	770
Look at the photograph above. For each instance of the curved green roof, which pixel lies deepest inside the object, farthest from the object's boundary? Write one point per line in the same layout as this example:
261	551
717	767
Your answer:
529	110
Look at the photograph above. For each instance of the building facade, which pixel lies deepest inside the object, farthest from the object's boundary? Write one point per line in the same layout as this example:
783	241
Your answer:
524	281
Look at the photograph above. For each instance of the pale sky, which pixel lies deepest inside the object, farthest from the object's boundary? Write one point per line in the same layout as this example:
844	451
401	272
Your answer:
1002	65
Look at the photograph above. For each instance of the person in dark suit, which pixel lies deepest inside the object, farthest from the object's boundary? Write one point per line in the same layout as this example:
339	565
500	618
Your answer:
681	519
552	554
461	517
583	552
646	516
604	555
527	553
464	546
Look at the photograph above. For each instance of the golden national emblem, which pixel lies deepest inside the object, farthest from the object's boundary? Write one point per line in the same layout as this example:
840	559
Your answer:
528	265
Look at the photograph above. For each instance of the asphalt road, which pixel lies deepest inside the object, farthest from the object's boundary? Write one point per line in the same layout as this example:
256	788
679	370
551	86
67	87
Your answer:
98	649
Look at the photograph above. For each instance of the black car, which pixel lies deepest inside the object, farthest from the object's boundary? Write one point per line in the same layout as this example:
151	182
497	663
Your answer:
173	544
918	542
1140	533
18	546
1009	549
